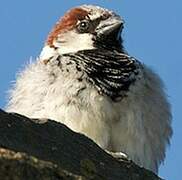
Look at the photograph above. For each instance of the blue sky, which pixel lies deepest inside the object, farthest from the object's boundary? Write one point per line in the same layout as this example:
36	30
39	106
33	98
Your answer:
152	34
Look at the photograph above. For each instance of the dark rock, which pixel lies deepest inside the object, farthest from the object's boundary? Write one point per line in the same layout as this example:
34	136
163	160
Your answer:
60	153
20	166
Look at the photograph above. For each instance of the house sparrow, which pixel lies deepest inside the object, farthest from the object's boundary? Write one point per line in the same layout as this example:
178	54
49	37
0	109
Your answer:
85	79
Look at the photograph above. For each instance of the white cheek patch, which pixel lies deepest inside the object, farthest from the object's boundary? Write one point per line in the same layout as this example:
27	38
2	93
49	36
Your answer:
47	52
72	42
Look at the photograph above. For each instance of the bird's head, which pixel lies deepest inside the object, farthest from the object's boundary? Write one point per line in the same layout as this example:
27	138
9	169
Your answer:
83	28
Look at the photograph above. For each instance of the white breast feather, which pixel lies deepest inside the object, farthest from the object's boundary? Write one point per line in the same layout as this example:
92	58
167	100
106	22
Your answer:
139	125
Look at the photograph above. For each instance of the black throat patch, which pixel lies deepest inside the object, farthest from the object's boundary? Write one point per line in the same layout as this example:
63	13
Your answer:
111	72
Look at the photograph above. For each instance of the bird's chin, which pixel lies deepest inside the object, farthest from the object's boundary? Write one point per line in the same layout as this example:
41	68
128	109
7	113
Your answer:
111	41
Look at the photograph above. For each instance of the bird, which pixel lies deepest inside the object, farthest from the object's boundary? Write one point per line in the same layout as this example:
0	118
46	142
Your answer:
85	79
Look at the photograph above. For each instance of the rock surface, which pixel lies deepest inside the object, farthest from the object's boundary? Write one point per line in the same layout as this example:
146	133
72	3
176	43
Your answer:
34	149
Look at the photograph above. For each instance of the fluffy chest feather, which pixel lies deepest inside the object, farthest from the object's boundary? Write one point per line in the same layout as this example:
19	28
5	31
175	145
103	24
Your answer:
111	73
85	93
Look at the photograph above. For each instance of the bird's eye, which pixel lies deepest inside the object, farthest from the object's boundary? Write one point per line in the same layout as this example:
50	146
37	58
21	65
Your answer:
83	26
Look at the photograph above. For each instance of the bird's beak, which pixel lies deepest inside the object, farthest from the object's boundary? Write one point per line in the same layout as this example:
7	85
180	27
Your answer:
110	28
